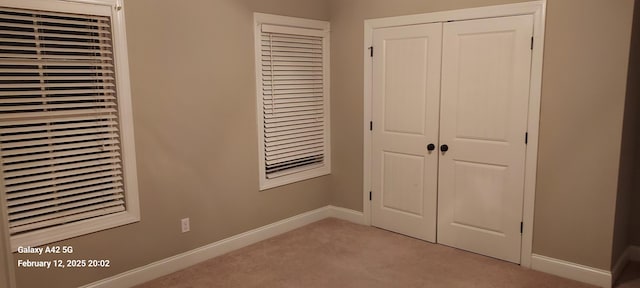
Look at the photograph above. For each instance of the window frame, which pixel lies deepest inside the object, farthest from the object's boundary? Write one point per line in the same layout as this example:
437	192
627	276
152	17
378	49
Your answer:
299	173
115	10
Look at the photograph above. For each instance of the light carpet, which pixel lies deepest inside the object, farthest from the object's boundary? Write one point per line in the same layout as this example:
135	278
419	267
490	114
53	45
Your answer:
336	253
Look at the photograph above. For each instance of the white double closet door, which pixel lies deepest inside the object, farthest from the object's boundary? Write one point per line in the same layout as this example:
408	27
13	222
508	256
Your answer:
464	86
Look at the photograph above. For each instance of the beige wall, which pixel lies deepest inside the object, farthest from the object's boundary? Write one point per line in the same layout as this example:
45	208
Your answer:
5	272
633	92
192	73
583	96
629	151
6	267
634	225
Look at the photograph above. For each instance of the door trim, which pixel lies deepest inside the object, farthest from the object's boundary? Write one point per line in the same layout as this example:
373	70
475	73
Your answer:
535	8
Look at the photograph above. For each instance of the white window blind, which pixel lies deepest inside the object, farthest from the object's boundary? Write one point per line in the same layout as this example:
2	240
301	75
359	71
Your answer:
59	122
294	98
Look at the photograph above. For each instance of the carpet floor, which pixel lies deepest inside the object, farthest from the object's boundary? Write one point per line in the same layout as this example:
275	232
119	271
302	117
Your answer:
336	253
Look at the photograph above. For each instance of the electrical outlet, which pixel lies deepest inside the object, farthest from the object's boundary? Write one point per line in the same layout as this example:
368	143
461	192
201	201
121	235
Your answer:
185	225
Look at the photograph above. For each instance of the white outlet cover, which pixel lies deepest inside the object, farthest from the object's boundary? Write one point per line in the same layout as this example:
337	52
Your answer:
185	225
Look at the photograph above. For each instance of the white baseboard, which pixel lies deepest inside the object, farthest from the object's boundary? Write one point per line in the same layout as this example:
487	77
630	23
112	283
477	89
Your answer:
346	214
195	256
565	269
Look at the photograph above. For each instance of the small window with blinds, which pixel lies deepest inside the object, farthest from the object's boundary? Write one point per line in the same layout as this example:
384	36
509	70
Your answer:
292	79
63	129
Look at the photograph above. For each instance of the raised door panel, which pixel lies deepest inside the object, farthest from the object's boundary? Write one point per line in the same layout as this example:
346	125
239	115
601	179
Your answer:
406	77
484	105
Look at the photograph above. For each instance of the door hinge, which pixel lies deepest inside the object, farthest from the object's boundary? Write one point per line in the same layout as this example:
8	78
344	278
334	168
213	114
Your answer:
370	195
371	51
370	125
531	42
521	227
526	138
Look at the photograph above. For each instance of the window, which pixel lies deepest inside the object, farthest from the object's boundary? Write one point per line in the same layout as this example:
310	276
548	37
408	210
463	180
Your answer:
66	135
292	79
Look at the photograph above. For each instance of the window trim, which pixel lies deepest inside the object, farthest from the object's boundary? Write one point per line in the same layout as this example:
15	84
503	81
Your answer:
113	9
293	23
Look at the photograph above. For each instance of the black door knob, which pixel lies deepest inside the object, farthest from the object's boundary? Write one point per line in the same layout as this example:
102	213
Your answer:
444	148
431	147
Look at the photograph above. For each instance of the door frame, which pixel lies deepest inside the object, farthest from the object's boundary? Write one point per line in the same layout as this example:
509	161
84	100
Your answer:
535	8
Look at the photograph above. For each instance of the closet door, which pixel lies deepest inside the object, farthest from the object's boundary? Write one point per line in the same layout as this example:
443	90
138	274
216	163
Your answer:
406	77
484	103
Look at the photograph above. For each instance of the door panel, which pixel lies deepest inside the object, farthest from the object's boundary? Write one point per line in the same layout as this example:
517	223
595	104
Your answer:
483	97
404	84
403	176
478	195
484	105
406	77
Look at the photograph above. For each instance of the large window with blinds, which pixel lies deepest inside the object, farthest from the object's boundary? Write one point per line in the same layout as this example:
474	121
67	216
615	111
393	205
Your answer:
66	138
292	81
